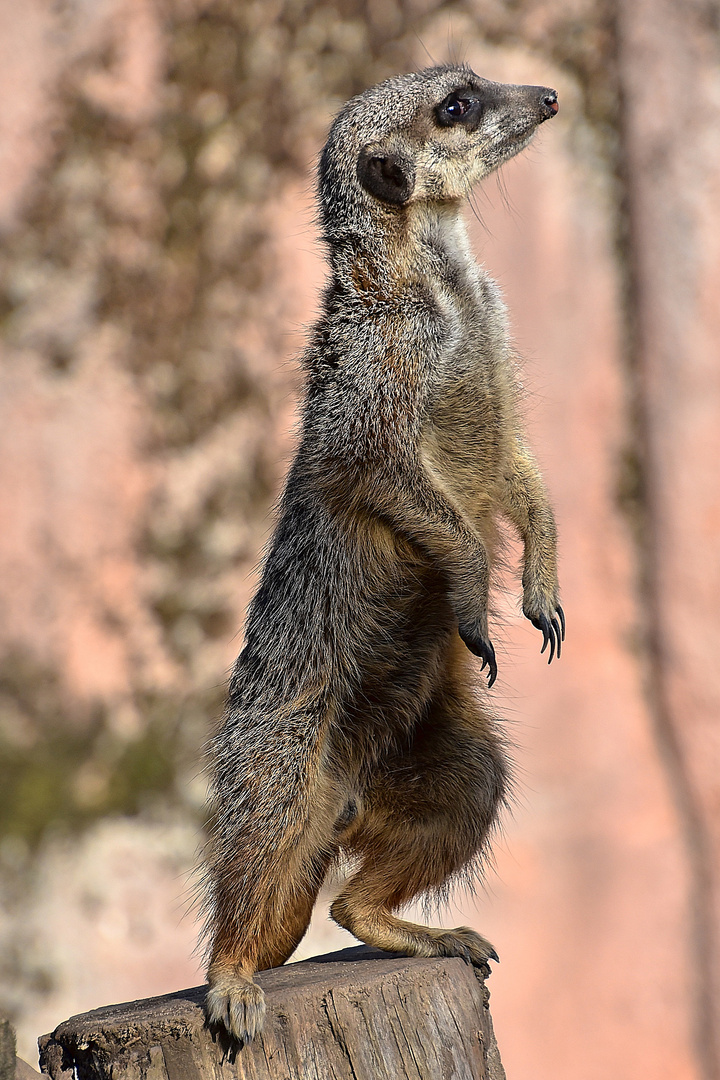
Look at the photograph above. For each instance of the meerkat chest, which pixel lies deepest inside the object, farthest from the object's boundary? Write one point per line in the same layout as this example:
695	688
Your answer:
475	341
468	420
473	359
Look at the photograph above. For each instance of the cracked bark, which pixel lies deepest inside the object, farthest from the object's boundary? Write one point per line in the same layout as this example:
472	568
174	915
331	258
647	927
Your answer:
326	1017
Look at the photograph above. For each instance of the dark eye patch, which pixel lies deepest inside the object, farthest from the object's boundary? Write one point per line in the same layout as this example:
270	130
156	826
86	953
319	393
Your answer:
461	107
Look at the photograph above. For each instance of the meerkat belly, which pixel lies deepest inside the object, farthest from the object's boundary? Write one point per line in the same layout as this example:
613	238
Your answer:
397	623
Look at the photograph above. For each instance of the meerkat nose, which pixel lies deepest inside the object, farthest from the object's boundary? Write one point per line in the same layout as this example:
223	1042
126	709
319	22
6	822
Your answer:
550	103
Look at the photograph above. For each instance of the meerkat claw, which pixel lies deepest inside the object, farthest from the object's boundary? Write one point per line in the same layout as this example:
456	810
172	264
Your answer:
482	648
488	657
553	632
561	615
540	623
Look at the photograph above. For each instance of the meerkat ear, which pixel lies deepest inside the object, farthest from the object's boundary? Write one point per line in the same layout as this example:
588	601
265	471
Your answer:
388	176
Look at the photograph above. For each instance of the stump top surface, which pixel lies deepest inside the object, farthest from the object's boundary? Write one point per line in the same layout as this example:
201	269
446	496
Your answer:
357	1014
183	1008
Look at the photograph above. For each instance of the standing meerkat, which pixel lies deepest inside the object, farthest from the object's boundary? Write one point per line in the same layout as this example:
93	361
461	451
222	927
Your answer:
352	726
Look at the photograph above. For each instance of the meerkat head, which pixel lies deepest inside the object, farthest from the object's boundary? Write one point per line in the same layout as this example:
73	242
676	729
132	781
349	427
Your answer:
424	137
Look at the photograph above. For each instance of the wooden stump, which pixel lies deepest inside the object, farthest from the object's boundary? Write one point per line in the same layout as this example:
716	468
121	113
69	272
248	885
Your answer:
359	1014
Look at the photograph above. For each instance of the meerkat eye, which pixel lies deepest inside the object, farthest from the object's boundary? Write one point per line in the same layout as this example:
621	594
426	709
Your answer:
457	108
460	107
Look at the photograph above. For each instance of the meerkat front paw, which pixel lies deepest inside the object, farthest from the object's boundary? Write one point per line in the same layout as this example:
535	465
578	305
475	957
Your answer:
479	644
236	1005
550	621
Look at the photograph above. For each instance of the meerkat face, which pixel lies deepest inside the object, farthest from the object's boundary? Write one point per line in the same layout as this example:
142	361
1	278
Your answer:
472	131
427	136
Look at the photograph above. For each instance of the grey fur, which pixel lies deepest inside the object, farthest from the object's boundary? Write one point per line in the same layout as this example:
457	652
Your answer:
352	726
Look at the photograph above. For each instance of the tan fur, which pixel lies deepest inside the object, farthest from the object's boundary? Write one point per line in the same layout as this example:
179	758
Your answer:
352	728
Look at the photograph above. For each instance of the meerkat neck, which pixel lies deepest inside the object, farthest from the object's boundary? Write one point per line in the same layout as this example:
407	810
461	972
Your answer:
438	232
401	248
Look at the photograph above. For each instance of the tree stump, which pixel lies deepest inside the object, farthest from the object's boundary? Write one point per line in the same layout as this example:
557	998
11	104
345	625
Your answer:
358	1014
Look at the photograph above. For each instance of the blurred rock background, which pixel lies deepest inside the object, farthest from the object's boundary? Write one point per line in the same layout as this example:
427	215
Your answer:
158	265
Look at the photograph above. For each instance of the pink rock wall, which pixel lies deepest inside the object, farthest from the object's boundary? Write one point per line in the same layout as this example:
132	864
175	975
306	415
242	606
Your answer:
158	269
669	55
590	900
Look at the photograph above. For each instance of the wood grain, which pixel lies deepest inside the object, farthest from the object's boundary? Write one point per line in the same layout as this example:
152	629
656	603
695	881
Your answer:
359	1014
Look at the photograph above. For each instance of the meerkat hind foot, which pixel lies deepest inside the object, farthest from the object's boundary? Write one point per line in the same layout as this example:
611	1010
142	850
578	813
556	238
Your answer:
467	944
236	1005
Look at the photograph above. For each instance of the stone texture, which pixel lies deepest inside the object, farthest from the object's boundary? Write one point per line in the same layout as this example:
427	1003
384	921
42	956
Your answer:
118	898
7	1050
669	57
23	1071
159	264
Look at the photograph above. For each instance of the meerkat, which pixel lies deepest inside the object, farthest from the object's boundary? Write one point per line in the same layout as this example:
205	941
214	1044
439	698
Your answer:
353	725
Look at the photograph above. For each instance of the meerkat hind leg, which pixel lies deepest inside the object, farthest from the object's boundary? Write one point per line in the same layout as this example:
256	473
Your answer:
426	817
234	1002
377	926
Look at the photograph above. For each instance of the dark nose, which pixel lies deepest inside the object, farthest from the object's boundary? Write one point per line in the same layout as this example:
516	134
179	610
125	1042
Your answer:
548	103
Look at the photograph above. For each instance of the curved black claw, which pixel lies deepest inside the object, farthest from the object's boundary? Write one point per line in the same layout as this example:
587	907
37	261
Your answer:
553	632
541	624
482	648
